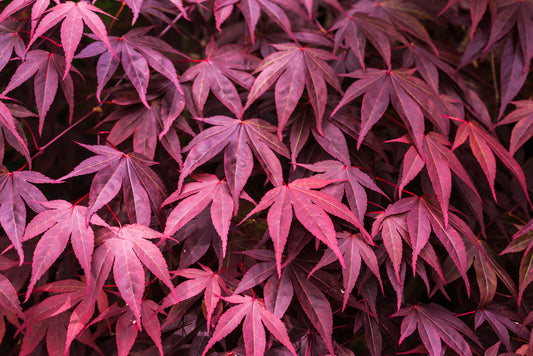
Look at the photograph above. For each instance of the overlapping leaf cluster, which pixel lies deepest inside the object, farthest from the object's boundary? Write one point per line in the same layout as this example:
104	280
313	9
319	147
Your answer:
266	177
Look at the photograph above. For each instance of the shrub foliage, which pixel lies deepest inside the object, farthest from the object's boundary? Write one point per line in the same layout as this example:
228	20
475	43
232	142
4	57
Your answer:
302	177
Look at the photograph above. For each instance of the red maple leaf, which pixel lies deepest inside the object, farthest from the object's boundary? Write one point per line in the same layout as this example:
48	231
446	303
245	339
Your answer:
255	315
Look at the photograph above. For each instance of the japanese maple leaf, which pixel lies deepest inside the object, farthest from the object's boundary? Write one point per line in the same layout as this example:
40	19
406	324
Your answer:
402	14
142	189
11	131
421	218
310	207
136	51
439	161
139	6
523	241
354	29
199	280
216	73
9	300
353	249
251	10
409	96
61	221
352	182
256	316
150	125
74	14
10	41
501	320
14	188
483	146
477	9
46	66
127	249
523	130
127	328
292	68
240	138
50	318
196	196
435	323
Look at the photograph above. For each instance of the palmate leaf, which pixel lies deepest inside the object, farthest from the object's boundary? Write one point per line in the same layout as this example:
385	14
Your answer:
483	146
204	280
436	324
240	138
74	14
135	51
255	315
439	161
216	73
11	132
354	249
143	189
292	68
352	182
47	67
49	318
150	125
523	130
127	249
196	196
354	28
423	216
14	188
310	207
407	94
10	41
60	222
127	330
251	10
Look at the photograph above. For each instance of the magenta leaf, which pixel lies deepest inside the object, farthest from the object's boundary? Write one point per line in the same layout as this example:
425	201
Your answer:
292	67
255	316
115	169
63	221
310	207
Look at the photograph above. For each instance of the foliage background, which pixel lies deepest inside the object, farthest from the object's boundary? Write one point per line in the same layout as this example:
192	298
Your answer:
390	142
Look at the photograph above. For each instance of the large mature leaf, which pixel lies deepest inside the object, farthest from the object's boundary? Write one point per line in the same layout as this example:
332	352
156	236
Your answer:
216	73
483	145
127	249
251	10
10	41
436	323
47	67
255	315
354	28
136	51
408	94
61	221
196	196
292	68
49	318
240	138
353	181
199	280
523	130
149	125
353	249
75	14
11	132
14	188
310	207
142	189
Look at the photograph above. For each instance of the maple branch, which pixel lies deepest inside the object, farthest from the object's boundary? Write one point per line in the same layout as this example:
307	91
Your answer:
41	149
